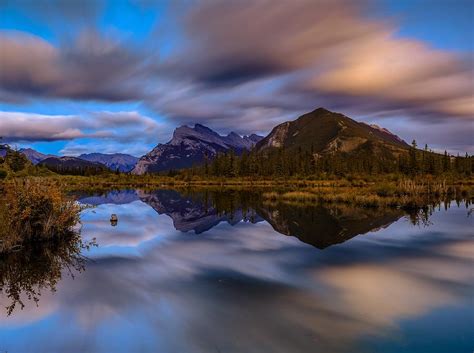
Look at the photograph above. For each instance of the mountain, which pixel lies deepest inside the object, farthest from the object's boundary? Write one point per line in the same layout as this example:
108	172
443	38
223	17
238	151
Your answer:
188	213
73	165
324	132
34	156
117	161
323	226
115	197
190	146
120	161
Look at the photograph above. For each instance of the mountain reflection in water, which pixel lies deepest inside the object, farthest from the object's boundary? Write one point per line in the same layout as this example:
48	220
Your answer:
318	225
234	283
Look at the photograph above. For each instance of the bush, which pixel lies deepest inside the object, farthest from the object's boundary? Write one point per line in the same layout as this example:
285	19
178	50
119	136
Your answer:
3	174
32	211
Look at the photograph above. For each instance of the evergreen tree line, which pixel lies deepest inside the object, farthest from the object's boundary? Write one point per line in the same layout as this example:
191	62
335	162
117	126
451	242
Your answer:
287	163
77	170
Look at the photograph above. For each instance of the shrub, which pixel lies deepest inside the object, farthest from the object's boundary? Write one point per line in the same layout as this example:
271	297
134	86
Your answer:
31	211
3	174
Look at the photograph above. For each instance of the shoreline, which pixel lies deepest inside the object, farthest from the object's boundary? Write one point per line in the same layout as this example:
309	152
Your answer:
364	191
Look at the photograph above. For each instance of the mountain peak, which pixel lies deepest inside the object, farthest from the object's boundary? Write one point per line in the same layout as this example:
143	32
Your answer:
323	131
34	156
321	110
202	128
191	146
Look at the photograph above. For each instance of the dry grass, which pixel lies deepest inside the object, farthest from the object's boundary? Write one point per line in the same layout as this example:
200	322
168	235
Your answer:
299	195
404	193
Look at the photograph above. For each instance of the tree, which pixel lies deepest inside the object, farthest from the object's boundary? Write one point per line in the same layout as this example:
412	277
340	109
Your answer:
206	164
413	160
16	160
446	162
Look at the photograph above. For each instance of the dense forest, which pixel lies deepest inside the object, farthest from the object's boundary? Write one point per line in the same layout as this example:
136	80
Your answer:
281	163
81	169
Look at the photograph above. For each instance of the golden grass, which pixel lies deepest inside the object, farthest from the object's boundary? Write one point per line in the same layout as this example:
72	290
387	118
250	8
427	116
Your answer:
404	193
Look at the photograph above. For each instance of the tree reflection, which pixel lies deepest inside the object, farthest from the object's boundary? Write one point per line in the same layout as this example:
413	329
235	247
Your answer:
34	268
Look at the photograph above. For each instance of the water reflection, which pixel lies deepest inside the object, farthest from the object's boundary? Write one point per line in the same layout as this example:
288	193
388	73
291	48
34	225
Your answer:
27	272
318	225
241	286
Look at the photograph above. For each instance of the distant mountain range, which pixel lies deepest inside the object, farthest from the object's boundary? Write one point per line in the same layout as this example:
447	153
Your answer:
191	146
117	161
320	131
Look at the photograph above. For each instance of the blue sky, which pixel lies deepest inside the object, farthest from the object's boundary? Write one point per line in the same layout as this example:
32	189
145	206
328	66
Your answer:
119	76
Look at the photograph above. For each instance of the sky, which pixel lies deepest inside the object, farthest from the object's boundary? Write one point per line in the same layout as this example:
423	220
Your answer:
121	75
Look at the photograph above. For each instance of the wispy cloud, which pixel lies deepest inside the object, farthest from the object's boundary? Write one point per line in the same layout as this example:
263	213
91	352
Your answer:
244	58
93	67
116	129
246	65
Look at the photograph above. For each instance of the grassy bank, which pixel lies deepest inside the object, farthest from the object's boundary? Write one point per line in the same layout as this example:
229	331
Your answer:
354	181
403	193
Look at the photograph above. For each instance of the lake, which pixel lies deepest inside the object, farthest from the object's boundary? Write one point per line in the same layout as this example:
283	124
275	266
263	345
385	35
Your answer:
227	271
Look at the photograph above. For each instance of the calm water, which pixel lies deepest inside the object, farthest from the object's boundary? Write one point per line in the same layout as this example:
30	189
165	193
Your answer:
228	272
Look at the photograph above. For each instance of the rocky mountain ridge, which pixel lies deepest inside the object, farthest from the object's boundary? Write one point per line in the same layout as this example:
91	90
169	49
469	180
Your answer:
191	146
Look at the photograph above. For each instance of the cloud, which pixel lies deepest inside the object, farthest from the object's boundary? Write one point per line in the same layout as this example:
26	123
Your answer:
93	67
246	66
118	128
454	135
249	64
76	148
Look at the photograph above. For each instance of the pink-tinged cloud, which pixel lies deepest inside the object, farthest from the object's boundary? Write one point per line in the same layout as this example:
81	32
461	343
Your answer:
326	53
120	127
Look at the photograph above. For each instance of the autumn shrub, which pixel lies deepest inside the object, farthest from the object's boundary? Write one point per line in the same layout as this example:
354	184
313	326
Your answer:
32	211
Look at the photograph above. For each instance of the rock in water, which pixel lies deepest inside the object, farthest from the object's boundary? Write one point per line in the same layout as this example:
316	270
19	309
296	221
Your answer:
113	219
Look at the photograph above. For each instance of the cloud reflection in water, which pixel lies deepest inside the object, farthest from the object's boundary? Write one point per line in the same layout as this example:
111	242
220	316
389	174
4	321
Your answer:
246	288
